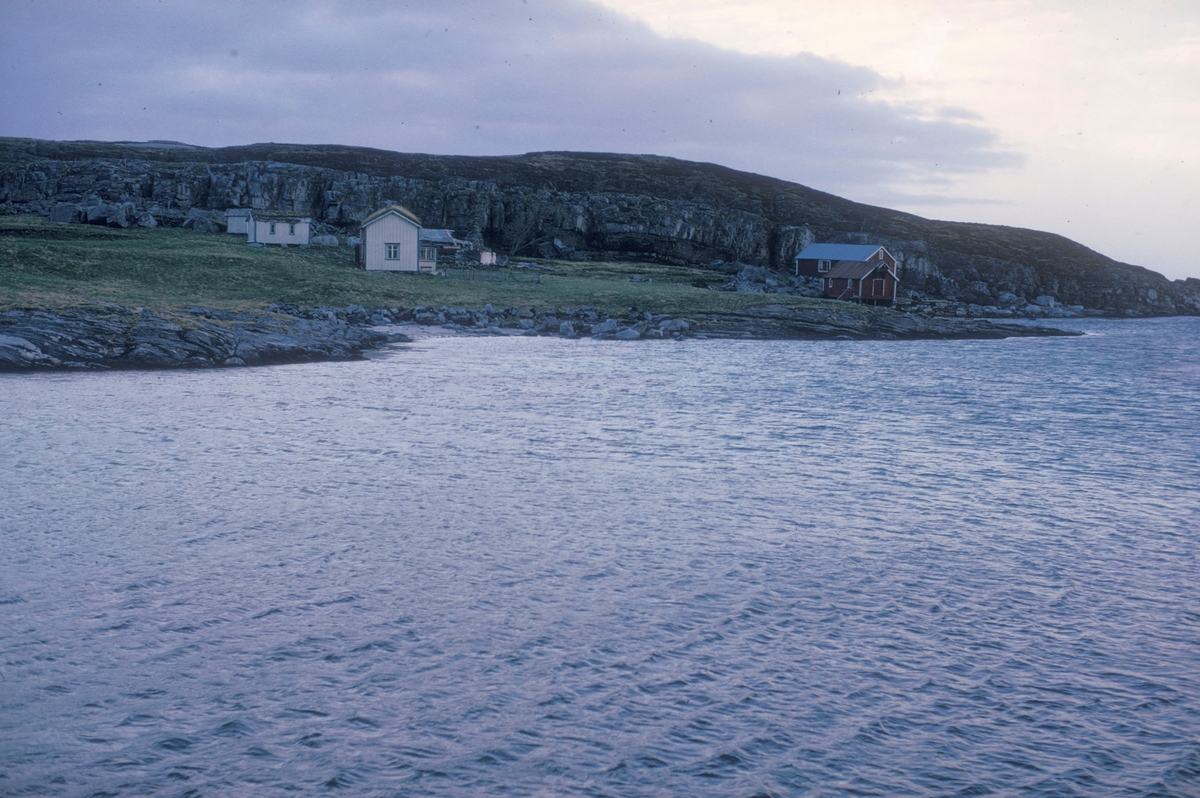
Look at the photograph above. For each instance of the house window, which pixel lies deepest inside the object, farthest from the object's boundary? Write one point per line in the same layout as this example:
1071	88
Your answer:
428	253
823	265
291	229
272	228
391	251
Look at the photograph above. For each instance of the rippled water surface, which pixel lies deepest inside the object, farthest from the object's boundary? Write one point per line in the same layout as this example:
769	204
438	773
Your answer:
543	567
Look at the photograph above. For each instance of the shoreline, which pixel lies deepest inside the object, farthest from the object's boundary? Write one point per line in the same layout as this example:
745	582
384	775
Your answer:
112	337
107	337
765	322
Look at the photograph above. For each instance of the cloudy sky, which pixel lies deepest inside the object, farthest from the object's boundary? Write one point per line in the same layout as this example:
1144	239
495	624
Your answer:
1081	117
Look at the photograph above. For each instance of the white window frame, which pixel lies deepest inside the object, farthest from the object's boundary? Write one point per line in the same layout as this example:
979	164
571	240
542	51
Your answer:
824	265
428	253
271	228
291	229
391	251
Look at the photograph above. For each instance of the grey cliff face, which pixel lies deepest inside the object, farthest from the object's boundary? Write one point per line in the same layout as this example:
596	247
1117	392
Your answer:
572	206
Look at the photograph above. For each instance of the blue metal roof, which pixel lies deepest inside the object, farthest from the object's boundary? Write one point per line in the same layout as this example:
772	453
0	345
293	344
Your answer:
838	252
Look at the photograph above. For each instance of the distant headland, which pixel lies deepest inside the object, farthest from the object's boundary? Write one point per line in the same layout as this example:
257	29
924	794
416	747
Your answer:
623	237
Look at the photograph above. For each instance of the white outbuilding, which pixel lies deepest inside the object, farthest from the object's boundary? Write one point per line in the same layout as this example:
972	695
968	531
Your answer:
237	221
391	242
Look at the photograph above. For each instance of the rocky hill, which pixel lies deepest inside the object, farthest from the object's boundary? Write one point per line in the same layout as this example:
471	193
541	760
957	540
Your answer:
570	205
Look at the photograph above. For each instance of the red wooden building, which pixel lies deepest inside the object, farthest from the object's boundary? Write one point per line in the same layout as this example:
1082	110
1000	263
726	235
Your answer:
871	281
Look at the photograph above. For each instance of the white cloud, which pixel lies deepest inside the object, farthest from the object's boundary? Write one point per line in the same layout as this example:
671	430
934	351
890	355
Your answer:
467	77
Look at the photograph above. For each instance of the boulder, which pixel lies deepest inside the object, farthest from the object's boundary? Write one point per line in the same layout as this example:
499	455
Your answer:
976	293
604	327
122	215
323	241
628	334
64	213
203	221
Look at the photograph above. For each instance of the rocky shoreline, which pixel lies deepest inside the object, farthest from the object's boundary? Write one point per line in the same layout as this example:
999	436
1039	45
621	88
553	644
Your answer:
764	322
102	336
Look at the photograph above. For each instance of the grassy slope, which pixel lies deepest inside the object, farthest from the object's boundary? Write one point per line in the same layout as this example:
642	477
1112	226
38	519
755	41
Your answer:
48	265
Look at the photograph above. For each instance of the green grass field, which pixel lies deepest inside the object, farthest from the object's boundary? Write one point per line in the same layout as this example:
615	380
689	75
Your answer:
49	265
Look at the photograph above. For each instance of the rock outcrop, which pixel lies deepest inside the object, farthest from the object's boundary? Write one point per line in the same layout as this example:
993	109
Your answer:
573	206
762	322
115	337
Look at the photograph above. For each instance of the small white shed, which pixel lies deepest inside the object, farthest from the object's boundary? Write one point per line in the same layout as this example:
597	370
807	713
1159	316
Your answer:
269	227
237	221
391	242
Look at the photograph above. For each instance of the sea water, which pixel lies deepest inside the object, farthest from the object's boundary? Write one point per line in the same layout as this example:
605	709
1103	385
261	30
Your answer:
514	566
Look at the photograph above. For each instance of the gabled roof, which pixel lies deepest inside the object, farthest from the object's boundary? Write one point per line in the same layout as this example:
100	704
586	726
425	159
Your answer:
399	210
858	252
856	269
430	236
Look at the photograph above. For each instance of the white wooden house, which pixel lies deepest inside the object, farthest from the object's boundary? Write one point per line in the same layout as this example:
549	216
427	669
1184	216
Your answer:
391	242
269	227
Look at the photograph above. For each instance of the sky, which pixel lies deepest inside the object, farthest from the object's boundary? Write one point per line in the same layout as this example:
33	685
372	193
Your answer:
1080	118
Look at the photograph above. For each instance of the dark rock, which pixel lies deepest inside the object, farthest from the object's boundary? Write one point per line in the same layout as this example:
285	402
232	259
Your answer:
64	213
605	327
19	354
105	336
